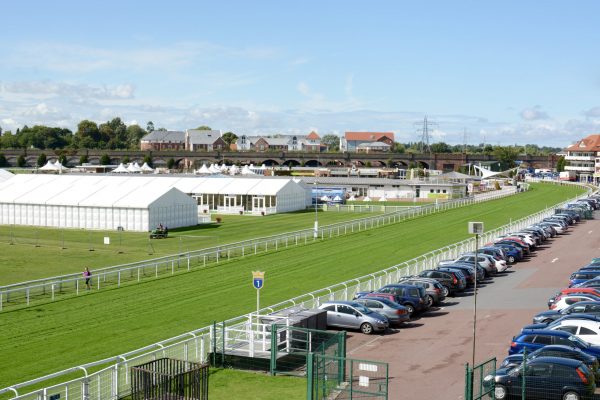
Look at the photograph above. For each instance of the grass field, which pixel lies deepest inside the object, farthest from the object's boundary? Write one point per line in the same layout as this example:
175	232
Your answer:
38	252
43	339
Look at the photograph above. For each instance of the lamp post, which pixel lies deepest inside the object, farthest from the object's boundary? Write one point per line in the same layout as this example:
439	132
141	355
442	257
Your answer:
475	228
316	233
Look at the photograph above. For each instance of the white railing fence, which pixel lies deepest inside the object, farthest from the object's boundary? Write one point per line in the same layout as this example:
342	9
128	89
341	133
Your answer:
112	382
49	289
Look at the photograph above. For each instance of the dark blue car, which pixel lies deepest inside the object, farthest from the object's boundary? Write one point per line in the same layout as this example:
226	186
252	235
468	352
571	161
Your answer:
513	253
581	276
533	339
548	378
408	295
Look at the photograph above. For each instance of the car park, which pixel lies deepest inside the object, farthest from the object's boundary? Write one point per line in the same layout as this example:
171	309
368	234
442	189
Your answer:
394	312
545	378
433	289
351	315
582	307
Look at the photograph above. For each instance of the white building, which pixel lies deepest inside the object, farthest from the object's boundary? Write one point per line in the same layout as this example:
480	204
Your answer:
583	157
94	202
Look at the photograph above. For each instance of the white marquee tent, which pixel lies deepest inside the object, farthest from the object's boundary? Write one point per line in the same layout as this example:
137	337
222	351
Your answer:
94	202
4	175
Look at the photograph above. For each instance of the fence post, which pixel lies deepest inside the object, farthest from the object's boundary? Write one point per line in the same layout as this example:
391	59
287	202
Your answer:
468	383
274	349
309	376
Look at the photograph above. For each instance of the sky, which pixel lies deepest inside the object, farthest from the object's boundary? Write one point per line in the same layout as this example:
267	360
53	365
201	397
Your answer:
503	72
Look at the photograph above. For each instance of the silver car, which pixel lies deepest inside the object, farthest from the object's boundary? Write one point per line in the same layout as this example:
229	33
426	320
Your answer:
394	312
352	315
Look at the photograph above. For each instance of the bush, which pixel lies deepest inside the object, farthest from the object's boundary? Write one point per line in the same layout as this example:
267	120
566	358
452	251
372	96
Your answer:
83	159
3	162
21	163
218	219
105	159
41	161
170	163
148	160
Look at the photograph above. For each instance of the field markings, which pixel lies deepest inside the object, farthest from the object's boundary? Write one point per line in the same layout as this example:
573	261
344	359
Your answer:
369	343
554	260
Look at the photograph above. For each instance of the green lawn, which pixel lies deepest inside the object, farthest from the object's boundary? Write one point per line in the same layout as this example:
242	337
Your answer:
43	339
230	384
38	252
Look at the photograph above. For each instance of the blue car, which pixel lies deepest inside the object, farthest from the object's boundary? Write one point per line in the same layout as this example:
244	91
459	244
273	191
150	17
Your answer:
532	339
513	253
581	276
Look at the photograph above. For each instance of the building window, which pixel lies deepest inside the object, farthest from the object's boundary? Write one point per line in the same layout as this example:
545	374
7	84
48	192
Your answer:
430	190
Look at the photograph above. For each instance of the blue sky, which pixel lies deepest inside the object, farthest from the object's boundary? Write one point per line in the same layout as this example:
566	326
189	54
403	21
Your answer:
507	72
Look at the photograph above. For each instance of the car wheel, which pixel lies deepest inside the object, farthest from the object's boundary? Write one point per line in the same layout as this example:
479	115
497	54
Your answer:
511	259
500	392
445	291
366	328
570	395
410	309
430	301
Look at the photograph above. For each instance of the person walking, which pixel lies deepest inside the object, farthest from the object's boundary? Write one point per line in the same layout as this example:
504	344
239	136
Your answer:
88	278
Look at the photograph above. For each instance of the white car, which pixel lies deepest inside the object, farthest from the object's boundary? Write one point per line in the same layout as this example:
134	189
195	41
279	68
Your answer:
500	264
566	300
585	329
481	260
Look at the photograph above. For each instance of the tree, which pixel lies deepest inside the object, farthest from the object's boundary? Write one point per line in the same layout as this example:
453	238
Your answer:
398	148
125	160
150	126
41	161
229	138
63	160
3	161
203	128
9	141
148	160
83	159
21	163
170	163
87	135
506	155
134	134
331	141
560	164
105	159
440	147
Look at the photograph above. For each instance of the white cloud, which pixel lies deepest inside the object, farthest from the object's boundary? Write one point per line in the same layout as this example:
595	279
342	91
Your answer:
593	112
533	114
37	89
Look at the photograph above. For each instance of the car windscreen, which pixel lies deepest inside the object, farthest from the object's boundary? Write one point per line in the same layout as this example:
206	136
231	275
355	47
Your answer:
582	344
362	309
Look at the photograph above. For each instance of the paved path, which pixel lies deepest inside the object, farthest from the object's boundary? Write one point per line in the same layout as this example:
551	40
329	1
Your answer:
427	357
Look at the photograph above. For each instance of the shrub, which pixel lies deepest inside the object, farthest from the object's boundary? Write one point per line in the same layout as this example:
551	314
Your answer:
83	159
3	162
105	159
21	161
41	161
170	163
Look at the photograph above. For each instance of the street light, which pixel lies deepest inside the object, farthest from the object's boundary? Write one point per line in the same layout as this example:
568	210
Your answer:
475	228
316	234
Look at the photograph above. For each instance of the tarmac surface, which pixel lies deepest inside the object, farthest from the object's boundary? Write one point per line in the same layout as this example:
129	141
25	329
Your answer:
427	356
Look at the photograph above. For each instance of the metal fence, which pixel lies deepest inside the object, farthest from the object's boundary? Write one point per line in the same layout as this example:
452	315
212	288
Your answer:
112	381
476	388
49	289
345	378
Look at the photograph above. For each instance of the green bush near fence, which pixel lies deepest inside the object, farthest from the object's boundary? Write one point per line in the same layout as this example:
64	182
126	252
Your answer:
42	339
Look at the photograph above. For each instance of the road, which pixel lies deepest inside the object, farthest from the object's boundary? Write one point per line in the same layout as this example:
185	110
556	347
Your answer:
427	357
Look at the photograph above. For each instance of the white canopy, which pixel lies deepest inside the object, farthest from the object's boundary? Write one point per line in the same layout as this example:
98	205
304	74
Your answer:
246	170
146	168
120	169
134	167
234	170
203	170
50	166
367	198
214	169
352	198
325	198
337	198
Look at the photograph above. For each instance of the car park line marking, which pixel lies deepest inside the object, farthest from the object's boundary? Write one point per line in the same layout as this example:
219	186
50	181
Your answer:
554	260
369	343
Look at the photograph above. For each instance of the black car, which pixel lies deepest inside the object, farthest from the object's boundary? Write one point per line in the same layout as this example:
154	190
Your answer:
582	307
555	350
545	378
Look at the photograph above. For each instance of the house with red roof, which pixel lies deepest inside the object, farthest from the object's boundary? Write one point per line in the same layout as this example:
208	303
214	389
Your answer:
583	157
367	141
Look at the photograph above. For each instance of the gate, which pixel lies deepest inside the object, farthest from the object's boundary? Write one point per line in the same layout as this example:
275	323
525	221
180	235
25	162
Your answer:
345	378
474	384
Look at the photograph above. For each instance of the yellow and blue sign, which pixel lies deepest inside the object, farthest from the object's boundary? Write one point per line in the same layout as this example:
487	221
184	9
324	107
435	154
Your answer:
258	279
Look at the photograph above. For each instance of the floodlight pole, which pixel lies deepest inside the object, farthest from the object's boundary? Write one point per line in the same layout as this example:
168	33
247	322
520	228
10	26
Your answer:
475	298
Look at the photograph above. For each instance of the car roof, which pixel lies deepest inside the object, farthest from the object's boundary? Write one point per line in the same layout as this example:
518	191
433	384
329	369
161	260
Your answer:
548	332
563	348
569	362
398	285
579	322
345	302
585	303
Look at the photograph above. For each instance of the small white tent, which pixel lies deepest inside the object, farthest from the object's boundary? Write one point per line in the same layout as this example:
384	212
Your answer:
120	169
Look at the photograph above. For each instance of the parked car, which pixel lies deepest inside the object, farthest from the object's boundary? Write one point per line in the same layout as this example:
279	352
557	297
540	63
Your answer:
581	276
514	242
555	350
564	318
394	312
545	378
566	300
467	270
450	283
352	315
500	264
582	307
433	289
513	253
585	329
533	339
486	264
414	298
